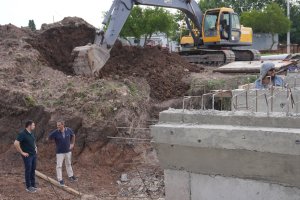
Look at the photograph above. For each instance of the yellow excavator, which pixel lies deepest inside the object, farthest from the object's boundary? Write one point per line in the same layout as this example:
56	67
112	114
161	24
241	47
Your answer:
221	32
214	37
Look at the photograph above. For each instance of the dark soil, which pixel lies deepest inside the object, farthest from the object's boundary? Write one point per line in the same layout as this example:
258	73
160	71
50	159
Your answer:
55	42
163	71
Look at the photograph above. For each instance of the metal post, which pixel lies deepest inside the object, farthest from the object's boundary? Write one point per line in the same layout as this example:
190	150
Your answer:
288	42
183	104
246	99
267	103
202	102
213	102
256	103
272	98
287	102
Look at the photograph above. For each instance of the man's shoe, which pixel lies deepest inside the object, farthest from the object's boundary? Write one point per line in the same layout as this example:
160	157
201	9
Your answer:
61	183
31	190
36	188
73	179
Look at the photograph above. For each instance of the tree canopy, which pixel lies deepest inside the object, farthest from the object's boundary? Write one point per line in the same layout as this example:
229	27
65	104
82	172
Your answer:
31	25
269	20
145	22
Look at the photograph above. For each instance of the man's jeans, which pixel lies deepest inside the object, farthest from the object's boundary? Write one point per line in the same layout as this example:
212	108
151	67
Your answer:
59	162
30	166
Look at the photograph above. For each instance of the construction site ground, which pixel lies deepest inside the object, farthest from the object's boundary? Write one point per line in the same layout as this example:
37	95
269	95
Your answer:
37	82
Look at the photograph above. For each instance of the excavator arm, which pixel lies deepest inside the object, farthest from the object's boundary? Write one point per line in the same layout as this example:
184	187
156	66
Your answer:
120	11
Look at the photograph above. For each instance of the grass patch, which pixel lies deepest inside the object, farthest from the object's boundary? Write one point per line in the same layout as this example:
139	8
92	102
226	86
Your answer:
252	79
133	89
30	101
70	85
58	102
215	84
80	95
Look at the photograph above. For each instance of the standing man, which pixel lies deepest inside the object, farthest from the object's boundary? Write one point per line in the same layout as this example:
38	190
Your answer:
26	146
64	139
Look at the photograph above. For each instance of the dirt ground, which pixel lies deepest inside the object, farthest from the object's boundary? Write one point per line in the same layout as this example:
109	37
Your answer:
37	82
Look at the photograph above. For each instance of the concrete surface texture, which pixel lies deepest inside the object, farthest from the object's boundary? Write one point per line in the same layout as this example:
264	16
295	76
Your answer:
203	187
292	79
277	100
256	155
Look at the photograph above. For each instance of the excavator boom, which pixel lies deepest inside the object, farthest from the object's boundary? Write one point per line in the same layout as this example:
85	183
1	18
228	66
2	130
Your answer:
91	58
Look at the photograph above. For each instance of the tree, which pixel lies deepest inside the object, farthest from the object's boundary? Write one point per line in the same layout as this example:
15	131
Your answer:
269	20
146	22
134	24
31	25
210	4
158	20
295	29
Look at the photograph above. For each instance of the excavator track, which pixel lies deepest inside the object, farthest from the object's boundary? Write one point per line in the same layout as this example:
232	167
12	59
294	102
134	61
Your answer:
246	55
220	57
207	56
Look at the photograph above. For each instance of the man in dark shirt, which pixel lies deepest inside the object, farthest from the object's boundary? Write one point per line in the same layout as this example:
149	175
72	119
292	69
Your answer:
64	138
26	146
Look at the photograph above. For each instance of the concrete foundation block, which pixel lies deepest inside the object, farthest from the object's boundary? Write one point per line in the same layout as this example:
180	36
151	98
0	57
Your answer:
177	184
205	187
211	155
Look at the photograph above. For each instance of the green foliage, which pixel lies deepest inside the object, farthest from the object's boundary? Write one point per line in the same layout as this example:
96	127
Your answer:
215	84
133	89
269	20
210	4
80	94
134	24
146	22
30	101
295	29
31	25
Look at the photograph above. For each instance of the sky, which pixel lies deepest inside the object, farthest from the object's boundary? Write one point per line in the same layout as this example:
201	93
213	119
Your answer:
19	12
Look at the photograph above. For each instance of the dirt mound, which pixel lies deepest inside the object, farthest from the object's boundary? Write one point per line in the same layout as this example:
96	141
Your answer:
10	31
163	71
56	41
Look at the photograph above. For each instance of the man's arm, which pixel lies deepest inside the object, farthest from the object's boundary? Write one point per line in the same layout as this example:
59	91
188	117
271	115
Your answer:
72	142
18	147
72	139
51	136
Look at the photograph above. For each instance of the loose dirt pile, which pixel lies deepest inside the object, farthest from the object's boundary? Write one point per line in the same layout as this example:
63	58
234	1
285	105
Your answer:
55	42
36	82
163	71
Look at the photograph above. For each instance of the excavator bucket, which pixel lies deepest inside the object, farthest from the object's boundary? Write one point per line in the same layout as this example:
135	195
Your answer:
88	60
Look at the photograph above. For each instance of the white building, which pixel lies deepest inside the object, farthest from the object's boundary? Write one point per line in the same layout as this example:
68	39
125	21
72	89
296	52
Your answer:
156	39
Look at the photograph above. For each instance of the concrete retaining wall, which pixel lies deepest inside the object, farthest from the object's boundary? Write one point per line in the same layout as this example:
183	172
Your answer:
204	187
228	155
266	100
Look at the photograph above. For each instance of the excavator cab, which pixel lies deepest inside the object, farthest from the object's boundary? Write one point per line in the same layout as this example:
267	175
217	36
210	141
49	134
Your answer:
221	27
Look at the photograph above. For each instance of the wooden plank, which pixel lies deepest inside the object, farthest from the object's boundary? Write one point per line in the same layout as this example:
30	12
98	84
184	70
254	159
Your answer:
56	183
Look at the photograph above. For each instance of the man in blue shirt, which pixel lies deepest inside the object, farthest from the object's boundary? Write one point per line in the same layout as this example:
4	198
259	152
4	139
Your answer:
26	146
64	138
268	77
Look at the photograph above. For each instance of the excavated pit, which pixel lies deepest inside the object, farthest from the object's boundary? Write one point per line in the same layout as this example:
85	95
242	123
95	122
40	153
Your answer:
37	82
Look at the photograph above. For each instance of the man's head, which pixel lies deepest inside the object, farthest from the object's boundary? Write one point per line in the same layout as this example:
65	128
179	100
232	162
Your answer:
30	125
60	125
267	69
